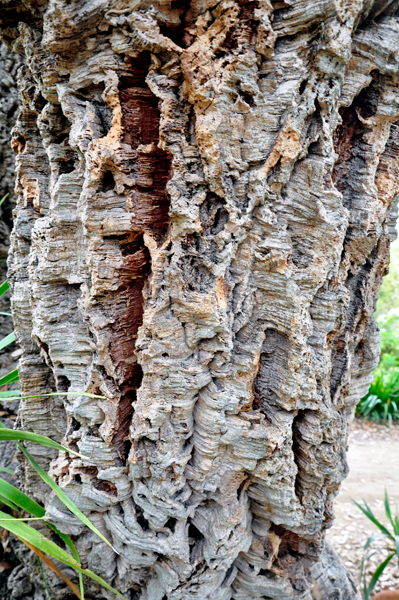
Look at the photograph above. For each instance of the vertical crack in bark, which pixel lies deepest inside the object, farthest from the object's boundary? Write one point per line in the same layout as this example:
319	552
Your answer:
348	137
273	364
149	201
149	205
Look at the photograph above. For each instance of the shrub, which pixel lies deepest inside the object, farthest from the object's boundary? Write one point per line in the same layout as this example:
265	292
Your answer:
390	533
382	401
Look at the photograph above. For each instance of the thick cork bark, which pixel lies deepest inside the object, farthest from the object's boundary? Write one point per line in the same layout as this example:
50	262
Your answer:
9	64
206	200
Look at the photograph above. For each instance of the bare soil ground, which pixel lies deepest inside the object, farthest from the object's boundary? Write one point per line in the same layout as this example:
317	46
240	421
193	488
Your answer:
373	459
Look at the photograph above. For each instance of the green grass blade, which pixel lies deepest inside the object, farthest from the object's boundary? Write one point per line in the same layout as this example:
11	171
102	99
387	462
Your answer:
67	540
23	501
4	198
371	540
9	339
31	506
4	287
36	538
11	518
367	511
377	574
81	587
388	509
6	470
397	545
46	546
43	578
49	395
69	543
11	377
14	495
63	497
8	503
365	592
10	395
6	314
26	436
362	574
53	567
75	554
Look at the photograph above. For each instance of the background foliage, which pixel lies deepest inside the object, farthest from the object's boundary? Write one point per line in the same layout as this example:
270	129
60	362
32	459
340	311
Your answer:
382	401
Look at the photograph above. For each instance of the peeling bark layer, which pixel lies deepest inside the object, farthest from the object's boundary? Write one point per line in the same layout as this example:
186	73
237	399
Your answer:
206	200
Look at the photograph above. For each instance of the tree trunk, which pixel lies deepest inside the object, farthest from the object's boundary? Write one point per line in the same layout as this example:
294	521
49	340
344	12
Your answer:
206	200
9	63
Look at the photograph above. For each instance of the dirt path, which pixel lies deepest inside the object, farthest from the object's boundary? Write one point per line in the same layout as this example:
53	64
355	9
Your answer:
373	459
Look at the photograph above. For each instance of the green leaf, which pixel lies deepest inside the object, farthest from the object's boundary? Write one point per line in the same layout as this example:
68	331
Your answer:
4	287
44	579
371	540
69	543
5	470
8	503
63	497
11	518
367	511
363	576
66	539
3	198
14	495
53	567
9	339
81	587
26	436
48	395
10	395
377	574
46	546
397	545
9	378
21	500
75	554
388	509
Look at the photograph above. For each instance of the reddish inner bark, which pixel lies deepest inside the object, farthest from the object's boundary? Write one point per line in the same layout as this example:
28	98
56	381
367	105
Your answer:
149	205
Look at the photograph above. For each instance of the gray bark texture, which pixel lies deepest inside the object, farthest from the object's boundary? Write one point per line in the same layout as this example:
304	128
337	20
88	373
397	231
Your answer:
9	64
206	196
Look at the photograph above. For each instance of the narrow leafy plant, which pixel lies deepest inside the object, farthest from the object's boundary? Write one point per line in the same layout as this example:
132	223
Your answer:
390	533
20	503
382	400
